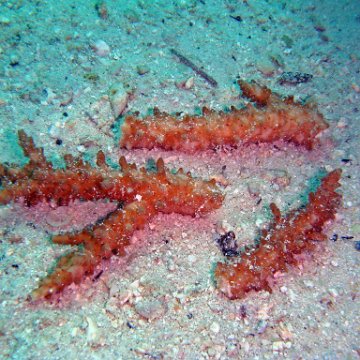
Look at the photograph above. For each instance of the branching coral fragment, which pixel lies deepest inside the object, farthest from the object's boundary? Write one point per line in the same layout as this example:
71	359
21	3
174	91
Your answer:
273	119
140	194
287	237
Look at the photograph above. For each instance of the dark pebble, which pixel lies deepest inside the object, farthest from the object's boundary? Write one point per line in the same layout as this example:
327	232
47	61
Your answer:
236	18
346	237
334	237
130	325
228	244
345	161
294	78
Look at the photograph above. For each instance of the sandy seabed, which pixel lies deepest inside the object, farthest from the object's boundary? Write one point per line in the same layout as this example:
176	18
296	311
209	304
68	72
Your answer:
59	62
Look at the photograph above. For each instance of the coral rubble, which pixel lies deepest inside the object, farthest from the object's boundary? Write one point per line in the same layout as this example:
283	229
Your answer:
140	195
270	119
287	237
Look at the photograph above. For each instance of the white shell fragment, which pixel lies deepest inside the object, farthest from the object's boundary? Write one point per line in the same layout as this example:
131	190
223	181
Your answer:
92	332
100	47
118	98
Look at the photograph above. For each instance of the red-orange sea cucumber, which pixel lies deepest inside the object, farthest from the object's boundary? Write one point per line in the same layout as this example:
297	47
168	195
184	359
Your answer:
272	119
287	237
140	195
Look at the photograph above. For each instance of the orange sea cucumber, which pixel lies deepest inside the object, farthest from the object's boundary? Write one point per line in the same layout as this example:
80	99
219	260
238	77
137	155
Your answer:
272	119
287	237
140	194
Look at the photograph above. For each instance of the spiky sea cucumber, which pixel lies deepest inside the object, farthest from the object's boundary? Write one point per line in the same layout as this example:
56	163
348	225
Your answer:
140	195
287	237
270	119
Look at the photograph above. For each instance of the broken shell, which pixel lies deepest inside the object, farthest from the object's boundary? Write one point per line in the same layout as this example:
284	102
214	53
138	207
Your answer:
92	332
118	98
100	47
186	84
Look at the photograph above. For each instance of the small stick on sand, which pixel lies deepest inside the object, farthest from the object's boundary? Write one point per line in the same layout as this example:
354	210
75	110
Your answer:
197	70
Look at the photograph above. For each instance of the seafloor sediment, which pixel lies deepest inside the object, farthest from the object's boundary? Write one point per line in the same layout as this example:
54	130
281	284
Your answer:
67	70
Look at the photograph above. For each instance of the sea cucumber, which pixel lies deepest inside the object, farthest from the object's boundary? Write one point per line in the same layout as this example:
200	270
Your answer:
270	119
140	195
287	237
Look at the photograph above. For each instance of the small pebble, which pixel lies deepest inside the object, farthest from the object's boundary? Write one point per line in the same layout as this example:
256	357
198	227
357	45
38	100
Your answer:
357	245
142	69
334	263
189	83
102	10
55	130
150	309
285	331
264	311
186	84
333	292
294	78
228	244
100	47
124	296
92	332
215	327
4	21
171	265
309	284
355	87
334	237
342	123
261	326
74	331
278	346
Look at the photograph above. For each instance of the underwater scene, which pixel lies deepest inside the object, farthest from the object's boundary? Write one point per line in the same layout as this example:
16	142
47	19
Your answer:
179	179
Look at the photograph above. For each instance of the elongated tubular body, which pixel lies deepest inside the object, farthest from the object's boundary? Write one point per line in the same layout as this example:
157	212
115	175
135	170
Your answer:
287	237
272	119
